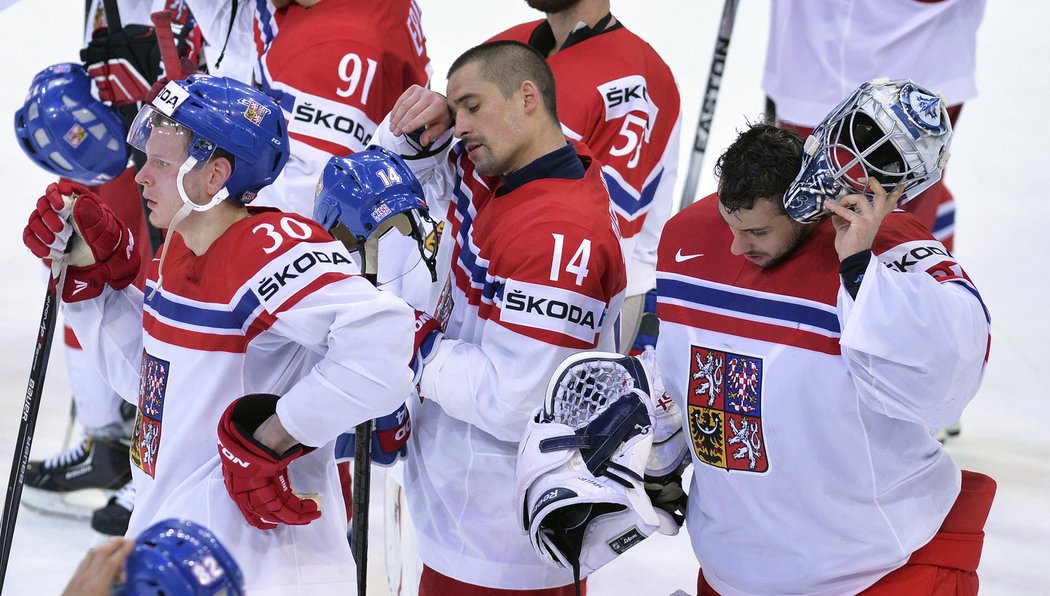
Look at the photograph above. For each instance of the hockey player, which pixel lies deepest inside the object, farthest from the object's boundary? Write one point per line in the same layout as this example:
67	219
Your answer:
812	335
536	274
617	96
255	335
933	42
124	62
335	68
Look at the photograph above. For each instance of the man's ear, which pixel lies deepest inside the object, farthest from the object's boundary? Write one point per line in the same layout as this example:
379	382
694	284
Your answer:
219	171
530	96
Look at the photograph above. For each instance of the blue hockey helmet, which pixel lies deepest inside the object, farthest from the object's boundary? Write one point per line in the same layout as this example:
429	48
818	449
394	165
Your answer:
177	557
68	132
896	132
221	113
362	193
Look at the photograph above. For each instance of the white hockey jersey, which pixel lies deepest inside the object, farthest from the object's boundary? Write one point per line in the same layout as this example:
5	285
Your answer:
274	306
536	274
809	412
820	50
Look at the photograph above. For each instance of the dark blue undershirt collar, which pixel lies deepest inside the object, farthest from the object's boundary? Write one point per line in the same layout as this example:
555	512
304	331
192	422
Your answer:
560	163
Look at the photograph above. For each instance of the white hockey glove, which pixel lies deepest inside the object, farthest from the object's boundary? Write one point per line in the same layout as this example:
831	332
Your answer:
581	464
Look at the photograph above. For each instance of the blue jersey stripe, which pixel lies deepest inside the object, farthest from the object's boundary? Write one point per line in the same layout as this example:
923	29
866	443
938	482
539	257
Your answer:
744	304
217	317
625	200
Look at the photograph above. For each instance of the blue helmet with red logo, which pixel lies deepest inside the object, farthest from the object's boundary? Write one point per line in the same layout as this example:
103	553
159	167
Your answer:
68	132
363	192
221	113
177	557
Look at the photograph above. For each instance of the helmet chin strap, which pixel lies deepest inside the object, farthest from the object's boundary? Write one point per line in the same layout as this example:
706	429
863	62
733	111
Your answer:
188	207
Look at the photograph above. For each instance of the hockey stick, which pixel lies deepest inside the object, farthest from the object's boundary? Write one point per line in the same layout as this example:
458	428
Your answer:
707	104
30	409
174	69
363	454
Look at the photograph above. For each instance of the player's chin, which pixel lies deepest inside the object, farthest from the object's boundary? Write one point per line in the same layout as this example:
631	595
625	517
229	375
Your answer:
484	165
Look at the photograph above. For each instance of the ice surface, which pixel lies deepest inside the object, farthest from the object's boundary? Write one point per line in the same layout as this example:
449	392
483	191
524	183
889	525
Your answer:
999	154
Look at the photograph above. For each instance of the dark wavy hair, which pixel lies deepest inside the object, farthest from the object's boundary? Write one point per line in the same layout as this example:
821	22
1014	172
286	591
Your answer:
760	164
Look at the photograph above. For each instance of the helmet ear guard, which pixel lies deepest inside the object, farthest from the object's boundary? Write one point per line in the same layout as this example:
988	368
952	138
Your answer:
68	132
896	132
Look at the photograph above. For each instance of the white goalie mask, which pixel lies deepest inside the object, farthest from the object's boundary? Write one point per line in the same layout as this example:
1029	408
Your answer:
581	465
896	132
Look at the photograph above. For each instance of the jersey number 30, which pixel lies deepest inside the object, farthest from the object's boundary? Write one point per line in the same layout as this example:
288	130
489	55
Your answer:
577	265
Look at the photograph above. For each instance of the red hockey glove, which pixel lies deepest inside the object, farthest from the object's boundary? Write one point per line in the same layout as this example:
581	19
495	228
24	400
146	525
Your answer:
256	477
105	252
123	64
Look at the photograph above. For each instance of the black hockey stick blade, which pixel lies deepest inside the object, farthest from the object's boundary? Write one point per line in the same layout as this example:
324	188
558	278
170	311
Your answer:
707	104
359	510
27	427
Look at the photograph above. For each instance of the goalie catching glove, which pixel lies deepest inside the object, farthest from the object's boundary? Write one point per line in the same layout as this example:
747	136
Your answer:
581	466
256	477
103	248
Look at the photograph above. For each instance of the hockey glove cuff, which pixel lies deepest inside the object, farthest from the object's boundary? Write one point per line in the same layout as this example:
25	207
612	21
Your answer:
256	477
389	439
428	336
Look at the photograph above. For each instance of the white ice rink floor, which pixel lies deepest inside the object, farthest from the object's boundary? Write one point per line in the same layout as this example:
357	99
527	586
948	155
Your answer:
996	174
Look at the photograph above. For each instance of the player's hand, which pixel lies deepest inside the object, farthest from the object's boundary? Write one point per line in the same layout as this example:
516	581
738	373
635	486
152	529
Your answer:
103	250
99	569
124	64
420	108
257	477
857	219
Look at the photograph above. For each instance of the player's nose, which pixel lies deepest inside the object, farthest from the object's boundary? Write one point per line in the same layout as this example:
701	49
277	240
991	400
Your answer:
739	245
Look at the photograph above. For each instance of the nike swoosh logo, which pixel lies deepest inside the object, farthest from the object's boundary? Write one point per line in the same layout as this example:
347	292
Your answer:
680	258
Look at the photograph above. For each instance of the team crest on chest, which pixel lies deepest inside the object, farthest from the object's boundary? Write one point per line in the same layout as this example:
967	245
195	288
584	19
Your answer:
145	441
725	410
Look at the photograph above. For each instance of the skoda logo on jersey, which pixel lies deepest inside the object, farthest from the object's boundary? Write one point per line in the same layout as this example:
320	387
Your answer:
549	307
923	109
628	94
317	116
272	282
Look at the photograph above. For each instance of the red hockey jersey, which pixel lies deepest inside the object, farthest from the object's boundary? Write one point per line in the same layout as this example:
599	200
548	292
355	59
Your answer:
618	96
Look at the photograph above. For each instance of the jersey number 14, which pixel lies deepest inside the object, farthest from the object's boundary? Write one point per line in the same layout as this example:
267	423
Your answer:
577	265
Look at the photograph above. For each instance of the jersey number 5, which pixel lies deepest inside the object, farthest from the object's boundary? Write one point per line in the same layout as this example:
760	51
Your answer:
577	265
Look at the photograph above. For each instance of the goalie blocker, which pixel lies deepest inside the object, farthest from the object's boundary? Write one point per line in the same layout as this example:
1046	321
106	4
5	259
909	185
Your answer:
588	458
